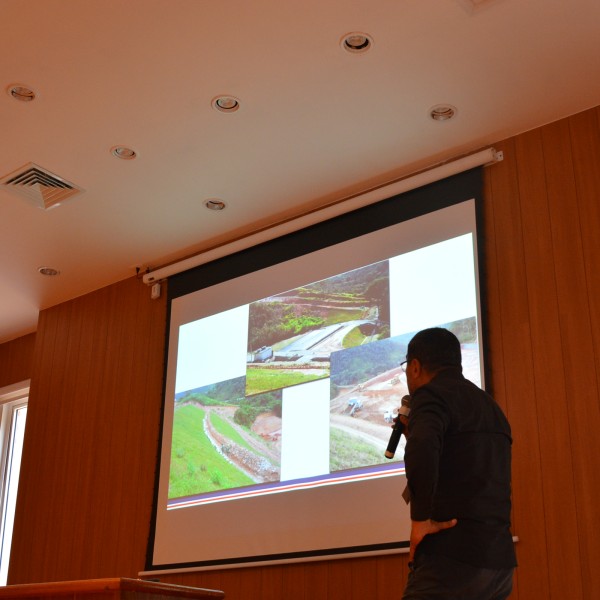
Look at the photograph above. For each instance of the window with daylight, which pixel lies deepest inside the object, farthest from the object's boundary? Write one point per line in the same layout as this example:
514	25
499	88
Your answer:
13	404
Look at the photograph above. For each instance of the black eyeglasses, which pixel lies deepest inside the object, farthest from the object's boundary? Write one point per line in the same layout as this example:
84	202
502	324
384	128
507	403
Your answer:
403	365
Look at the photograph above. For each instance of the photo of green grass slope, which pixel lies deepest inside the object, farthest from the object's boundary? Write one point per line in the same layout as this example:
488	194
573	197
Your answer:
223	440
261	379
196	465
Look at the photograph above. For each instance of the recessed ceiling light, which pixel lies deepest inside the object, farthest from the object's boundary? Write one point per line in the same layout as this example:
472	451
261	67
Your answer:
226	104
48	271
356	42
21	93
123	152
214	204
442	112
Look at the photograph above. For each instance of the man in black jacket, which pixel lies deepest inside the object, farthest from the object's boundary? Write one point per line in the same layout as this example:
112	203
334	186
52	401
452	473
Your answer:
458	461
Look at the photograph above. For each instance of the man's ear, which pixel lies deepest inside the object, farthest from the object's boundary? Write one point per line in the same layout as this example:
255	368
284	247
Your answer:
416	367
421	375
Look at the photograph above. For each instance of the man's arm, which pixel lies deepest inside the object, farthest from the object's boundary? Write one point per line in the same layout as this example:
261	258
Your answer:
428	422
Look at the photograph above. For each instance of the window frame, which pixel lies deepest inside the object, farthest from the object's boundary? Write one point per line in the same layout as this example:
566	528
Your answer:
12	399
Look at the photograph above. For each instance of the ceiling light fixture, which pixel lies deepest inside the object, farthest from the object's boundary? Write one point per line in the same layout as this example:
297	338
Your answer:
442	112
123	152
356	42
214	204
226	104
48	271
21	93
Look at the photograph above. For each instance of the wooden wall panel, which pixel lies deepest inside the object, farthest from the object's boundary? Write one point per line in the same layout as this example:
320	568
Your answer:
87	474
578	312
271	583
517	395
16	360
392	573
84	504
294	585
363	582
548	375
585	147
317	581
545	204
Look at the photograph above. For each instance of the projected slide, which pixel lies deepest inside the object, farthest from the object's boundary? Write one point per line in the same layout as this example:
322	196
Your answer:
301	387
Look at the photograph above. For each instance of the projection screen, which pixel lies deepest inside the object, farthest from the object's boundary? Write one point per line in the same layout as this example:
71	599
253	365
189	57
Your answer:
282	379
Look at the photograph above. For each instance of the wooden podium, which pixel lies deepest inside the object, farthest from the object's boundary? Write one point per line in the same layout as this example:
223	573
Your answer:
106	589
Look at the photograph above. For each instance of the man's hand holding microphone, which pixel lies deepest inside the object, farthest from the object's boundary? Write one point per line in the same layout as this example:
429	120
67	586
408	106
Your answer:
399	427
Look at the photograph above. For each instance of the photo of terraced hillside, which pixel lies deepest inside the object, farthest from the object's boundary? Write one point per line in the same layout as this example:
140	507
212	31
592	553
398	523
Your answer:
292	335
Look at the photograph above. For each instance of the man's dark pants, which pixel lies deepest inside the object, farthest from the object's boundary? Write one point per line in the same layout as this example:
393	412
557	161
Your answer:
434	577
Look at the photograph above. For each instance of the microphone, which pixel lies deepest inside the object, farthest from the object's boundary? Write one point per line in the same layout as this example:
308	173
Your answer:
398	427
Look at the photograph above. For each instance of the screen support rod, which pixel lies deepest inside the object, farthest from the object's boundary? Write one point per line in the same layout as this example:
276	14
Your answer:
405	184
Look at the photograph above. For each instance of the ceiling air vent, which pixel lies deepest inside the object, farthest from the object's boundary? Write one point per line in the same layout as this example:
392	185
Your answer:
44	188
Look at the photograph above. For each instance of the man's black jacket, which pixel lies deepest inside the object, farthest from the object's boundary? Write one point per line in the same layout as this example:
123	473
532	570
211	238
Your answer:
458	465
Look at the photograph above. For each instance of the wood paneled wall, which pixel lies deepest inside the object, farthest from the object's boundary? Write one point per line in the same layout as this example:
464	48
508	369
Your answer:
92	432
16	359
87	471
543	245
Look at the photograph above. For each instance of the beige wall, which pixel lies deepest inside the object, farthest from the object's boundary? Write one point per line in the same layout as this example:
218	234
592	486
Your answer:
93	420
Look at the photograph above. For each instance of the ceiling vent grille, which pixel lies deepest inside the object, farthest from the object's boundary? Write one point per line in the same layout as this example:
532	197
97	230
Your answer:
39	185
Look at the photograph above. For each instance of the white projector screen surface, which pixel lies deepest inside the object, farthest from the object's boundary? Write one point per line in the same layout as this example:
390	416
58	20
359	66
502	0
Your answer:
280	388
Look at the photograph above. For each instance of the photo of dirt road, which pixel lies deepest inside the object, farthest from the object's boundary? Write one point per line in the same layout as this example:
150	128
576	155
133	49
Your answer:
362	418
260	454
362	414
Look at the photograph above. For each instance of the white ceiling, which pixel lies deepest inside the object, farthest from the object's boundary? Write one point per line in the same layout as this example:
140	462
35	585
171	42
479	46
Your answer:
315	125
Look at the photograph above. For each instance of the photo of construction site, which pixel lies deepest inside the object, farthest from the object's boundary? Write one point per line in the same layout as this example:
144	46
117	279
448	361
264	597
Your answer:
367	387
291	335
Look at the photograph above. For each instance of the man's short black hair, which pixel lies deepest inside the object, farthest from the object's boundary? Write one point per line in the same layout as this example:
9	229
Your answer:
435	348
